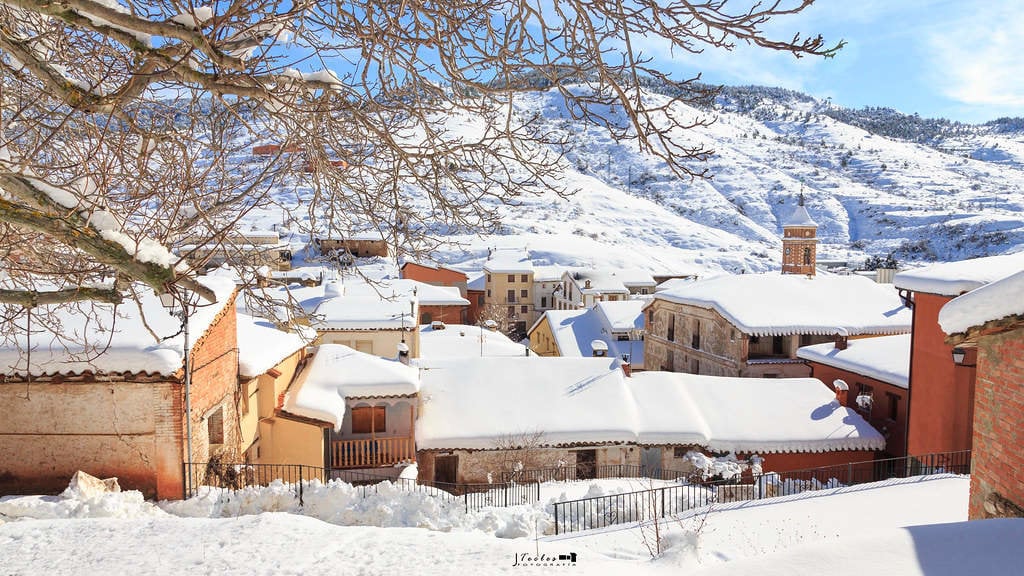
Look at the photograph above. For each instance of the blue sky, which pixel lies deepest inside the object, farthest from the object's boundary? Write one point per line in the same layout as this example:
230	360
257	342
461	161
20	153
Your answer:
958	59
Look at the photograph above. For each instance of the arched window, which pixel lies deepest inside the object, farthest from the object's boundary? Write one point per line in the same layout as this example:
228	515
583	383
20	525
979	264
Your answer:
807	256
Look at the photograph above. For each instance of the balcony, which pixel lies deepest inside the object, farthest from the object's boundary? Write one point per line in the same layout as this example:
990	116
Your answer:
372	452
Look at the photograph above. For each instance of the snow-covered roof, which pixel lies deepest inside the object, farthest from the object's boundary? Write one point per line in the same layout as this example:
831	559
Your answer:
601	281
337	373
106	339
782	304
994	301
477	281
748	414
885	358
673	283
480	403
382	305
552	273
509	261
574	331
799	217
955	278
261	346
459	341
622	315
475	403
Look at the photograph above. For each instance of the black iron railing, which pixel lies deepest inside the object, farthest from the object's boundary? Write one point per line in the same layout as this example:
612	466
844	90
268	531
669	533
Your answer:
232	477
659	502
590	472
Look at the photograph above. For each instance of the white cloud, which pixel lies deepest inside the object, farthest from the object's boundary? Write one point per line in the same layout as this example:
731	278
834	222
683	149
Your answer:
976	56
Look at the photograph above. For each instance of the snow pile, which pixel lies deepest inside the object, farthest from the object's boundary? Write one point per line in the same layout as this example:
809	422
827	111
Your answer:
75	504
724	467
384	505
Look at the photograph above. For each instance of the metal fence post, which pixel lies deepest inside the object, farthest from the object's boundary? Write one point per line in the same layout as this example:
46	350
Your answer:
301	503
663	502
556	518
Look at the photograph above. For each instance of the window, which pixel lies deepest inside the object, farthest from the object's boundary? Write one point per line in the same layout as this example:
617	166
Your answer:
695	338
732	335
367	419
543	301
805	340
643	290
679	452
863	389
894	405
671	333
511	278
215	426
622	337
524	309
523	278
488	277
778	345
488	294
511	295
755	339
807	256
426	318
523	293
511	311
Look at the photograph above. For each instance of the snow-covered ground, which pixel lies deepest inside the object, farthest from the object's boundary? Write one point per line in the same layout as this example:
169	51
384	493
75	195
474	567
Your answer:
853	530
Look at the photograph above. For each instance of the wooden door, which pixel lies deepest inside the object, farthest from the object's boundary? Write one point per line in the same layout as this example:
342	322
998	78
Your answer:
586	464
446	468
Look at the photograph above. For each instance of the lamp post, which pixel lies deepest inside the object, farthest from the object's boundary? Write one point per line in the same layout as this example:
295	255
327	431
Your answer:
178	304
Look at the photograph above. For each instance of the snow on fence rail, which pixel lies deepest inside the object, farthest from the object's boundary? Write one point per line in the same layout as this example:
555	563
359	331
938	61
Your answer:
642	505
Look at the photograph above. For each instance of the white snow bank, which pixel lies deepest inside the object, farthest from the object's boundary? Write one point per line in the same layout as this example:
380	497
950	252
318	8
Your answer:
954	278
884	358
997	300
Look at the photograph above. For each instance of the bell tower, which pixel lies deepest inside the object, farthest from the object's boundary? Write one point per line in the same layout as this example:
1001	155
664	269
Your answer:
799	242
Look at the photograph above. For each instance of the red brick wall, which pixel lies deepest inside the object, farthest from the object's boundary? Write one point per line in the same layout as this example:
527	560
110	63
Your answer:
476	304
446	314
215	382
894	430
941	393
434	276
997	458
803	460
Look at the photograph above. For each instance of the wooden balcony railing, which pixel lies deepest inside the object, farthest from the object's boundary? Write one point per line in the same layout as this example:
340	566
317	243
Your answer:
372	452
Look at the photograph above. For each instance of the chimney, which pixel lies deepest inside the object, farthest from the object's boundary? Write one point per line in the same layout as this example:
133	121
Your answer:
626	368
599	348
842	388
841	341
403	353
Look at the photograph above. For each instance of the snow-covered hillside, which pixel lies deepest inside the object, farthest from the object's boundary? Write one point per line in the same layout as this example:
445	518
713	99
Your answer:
947	191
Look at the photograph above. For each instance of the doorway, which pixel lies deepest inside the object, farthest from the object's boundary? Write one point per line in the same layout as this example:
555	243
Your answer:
586	464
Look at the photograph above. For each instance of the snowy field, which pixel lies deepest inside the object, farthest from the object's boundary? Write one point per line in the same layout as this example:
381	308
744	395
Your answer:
790	535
